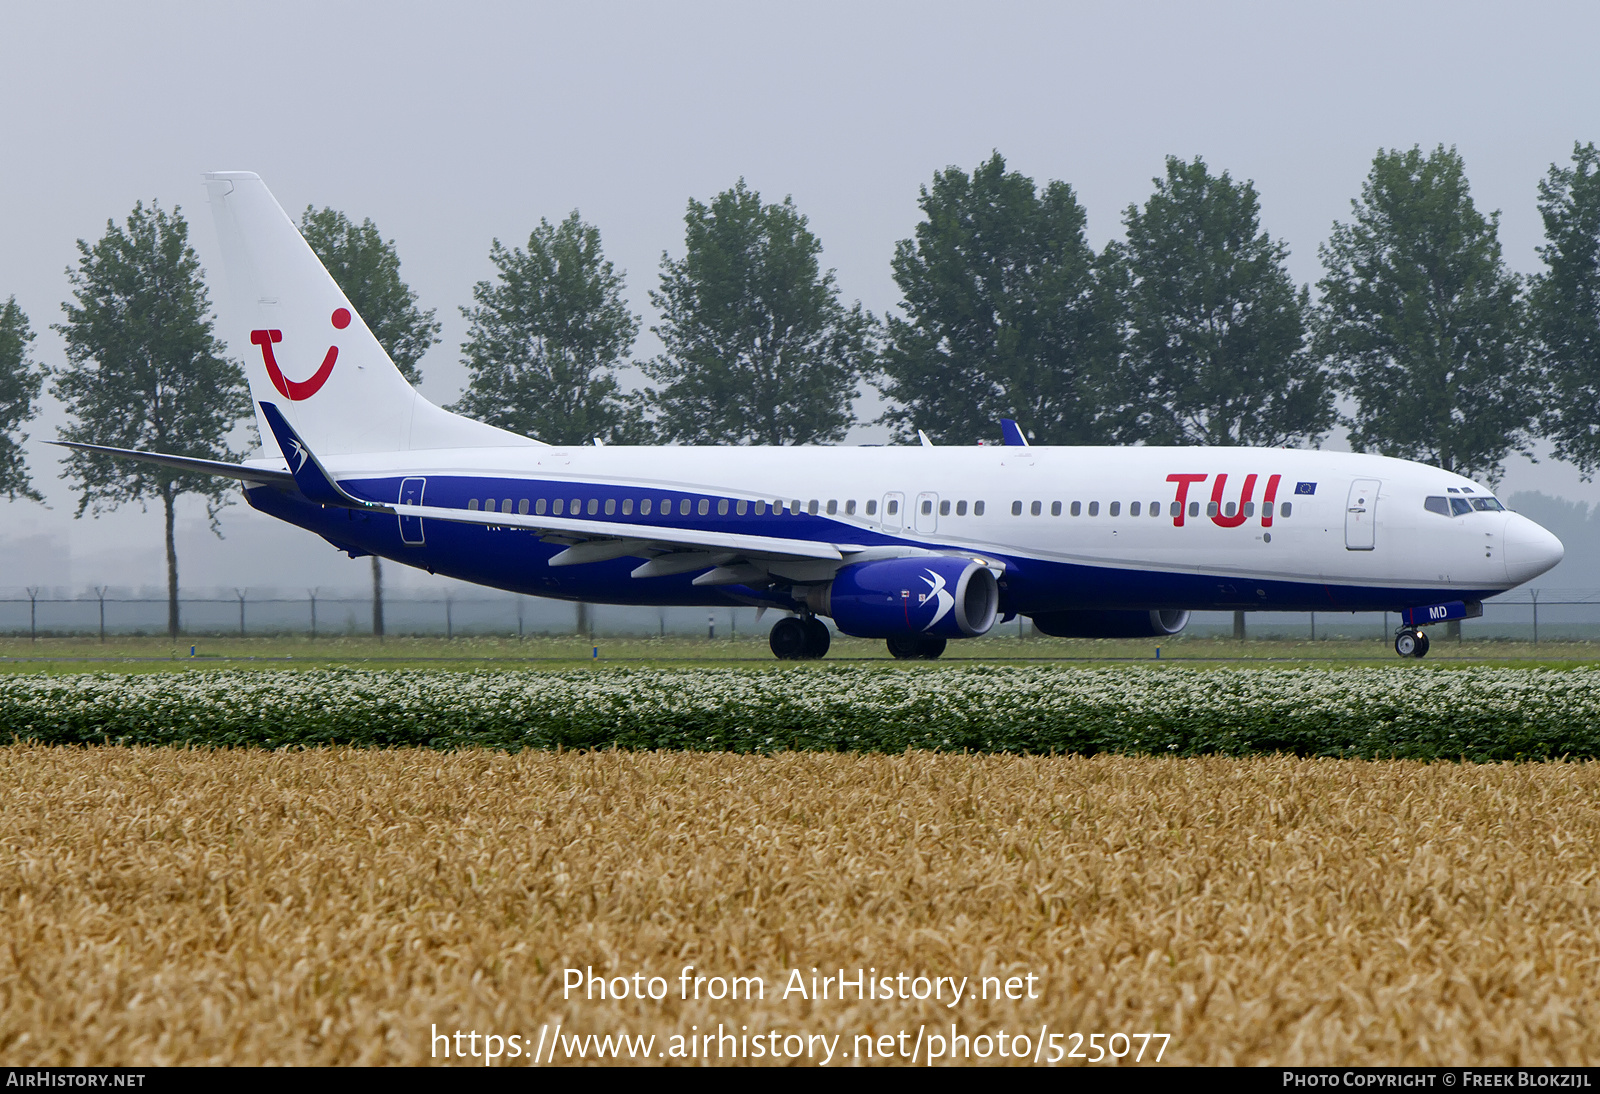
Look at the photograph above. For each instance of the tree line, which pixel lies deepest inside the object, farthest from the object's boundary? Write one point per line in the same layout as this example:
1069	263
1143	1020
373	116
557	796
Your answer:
1187	331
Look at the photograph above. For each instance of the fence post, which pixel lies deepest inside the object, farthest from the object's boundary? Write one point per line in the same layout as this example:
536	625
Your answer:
711	626
240	594
520	601
100	591
1313	626
449	625
33	613
1535	617
312	593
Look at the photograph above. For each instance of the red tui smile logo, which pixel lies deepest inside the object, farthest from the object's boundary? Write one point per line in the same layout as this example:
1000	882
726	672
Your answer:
295	390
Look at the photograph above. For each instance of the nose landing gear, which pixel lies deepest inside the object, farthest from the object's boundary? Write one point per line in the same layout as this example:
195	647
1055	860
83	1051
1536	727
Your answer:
1411	642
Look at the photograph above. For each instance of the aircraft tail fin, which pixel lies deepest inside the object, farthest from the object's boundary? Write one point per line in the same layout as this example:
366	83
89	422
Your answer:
307	350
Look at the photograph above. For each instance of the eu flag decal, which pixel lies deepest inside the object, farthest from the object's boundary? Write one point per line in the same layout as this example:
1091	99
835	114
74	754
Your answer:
1305	488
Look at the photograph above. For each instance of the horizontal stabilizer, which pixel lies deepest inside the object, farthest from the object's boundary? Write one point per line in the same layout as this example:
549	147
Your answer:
187	463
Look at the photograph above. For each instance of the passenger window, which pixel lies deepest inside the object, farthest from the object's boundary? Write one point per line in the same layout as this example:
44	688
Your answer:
1055	509
872	508
577	503
522	507
594	506
1077	508
961	508
927	506
611	506
627	507
1176	510
644	507
1194	509
1133	509
722	507
1016	508
683	507
539	507
704	507
1094	509
472	505
666	507
794	507
488	505
892	507
833	507
1228	512
1438	505
1460	506
1036	508
1487	505
741	509
1286	508
505	506
812	508
1249	508
1211	508
977	508
560	506
761	508
1155	509
850	508
944	509
1116	508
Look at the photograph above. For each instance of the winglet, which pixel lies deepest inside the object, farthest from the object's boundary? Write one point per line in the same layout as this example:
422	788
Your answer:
1012	434
310	477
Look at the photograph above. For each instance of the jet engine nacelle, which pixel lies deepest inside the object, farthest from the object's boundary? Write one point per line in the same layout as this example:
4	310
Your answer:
1111	624
941	597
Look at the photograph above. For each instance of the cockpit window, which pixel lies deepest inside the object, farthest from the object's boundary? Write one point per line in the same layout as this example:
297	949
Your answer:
1487	505
1458	506
1438	505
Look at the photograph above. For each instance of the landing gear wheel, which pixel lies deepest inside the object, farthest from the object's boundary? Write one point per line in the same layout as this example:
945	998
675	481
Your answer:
1411	643
914	647
818	638
789	639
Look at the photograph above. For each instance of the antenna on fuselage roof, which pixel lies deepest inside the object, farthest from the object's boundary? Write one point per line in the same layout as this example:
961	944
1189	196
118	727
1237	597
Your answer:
924	438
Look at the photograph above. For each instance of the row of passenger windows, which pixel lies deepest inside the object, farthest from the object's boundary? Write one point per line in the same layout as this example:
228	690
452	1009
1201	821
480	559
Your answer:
702	507
1455	507
647	507
1134	508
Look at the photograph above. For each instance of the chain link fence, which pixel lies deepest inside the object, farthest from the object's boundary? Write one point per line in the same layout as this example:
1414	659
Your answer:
1528	615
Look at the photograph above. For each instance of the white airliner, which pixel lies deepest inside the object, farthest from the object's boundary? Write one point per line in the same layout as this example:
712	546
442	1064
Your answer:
914	545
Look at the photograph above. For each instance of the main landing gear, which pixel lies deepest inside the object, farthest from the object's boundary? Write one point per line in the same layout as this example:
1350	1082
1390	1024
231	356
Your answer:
915	647
1411	642
799	638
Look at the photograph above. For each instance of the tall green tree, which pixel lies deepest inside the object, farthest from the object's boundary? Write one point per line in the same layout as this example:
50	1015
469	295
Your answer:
1003	315
1422	322
367	268
1565	306
759	349
547	338
145	371
1216	331
19	389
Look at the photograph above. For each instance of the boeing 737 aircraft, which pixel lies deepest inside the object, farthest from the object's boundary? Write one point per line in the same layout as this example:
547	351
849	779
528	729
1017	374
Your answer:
913	545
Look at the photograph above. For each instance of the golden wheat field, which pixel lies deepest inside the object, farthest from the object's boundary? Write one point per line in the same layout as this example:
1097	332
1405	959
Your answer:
167	906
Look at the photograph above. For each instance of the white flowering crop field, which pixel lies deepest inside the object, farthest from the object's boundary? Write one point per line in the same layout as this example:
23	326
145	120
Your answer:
1401	711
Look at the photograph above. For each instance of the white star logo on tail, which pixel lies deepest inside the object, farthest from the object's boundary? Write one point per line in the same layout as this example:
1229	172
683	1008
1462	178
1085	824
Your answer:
300	455
937	590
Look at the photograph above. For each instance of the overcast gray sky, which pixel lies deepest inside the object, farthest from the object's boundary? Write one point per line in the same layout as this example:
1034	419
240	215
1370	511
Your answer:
450	125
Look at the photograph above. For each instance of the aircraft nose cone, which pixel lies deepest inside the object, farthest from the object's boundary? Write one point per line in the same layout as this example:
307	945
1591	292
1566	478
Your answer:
1530	550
